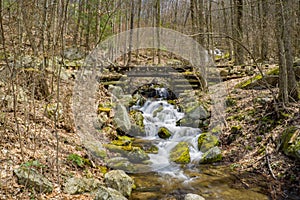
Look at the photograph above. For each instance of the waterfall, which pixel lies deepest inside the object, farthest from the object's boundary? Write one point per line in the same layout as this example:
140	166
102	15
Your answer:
159	113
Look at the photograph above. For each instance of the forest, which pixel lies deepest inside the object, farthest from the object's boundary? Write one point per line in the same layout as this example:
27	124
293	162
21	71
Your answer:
150	99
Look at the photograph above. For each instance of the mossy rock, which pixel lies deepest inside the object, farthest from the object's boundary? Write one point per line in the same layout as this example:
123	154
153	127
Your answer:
137	155
137	117
180	153
145	145
246	83
123	150
197	111
120	163
207	141
212	155
290	142
258	82
122	141
159	109
164	133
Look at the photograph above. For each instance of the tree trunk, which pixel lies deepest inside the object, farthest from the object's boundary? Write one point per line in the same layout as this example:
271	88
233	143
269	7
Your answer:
238	32
287	81
264	40
157	32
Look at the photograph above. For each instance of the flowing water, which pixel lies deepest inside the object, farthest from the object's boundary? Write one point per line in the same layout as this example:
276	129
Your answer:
168	180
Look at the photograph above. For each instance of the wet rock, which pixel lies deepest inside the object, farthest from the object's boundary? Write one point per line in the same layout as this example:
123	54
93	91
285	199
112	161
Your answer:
212	155
122	120
126	100
207	141
138	118
180	153
193	197
123	141
104	193
159	109
136	131
80	185
164	133
146	145
290	142
33	179
137	155
121	163
138	100
121	150
120	181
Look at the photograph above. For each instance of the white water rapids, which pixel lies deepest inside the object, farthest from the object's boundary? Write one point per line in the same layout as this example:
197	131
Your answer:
157	114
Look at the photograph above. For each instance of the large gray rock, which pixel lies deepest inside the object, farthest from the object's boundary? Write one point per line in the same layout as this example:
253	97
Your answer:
80	185
197	112
137	155
104	193
116	91
119	180
122	119
193	197
31	178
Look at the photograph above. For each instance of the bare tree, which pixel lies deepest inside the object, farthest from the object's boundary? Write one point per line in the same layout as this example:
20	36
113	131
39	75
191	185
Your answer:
287	82
238	31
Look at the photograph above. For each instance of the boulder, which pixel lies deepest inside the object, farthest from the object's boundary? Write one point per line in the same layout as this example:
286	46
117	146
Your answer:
120	181
121	163
126	100
164	133
290	142
193	197
258	82
122	119
104	193
116	91
80	185
137	155
180	153
207	141
33	179
138	118
212	155
122	141
197	112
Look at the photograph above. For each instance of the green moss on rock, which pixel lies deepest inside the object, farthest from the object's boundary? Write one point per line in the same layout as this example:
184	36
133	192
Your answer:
180	153
122	141
207	141
245	84
164	133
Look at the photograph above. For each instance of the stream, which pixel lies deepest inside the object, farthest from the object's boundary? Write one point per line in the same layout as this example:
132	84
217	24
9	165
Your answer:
169	180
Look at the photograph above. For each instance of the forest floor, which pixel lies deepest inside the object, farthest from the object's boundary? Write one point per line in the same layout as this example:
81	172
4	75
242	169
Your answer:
29	136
